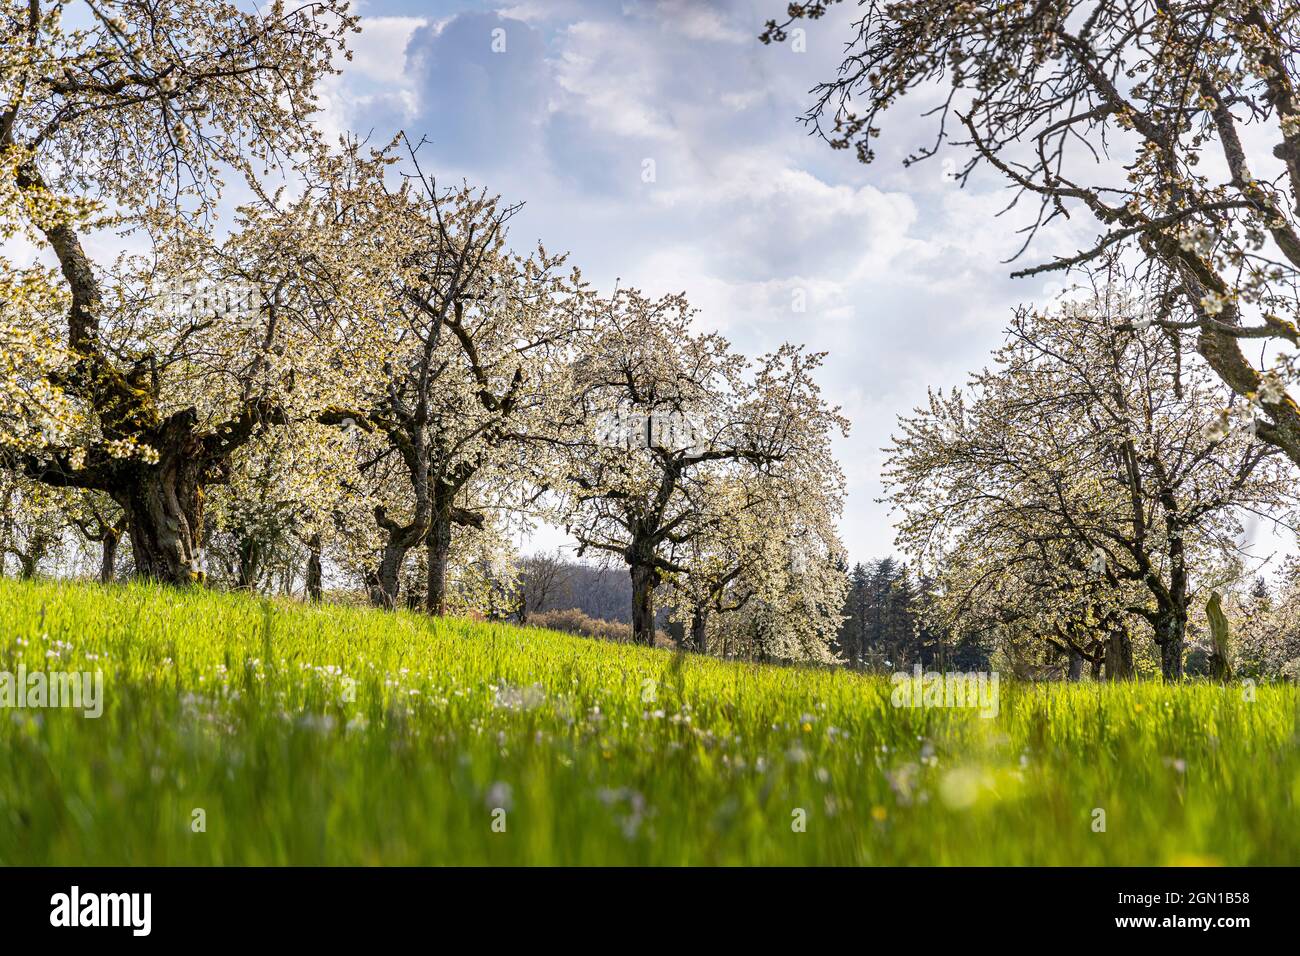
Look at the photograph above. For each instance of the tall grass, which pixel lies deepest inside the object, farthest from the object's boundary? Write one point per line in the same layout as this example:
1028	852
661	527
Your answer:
330	735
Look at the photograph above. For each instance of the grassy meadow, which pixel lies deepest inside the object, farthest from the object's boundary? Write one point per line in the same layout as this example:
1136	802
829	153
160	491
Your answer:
325	735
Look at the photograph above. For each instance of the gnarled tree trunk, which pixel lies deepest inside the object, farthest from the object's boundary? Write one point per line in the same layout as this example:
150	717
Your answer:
445	515
1170	621
1075	671
164	514
250	564
644	580
314	575
439	545
1170	627
108	556
385	580
700	630
1119	655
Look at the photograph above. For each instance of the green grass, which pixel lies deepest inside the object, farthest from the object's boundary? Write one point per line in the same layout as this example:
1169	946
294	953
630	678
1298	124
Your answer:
226	703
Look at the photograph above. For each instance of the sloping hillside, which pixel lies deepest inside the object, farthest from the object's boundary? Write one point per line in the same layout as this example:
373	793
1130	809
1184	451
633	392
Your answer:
235	730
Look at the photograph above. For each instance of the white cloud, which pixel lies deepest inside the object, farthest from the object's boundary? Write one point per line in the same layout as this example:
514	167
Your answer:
699	22
538	11
379	50
375	82
611	82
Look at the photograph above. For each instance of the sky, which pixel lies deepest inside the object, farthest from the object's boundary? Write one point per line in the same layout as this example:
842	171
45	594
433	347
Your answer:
659	144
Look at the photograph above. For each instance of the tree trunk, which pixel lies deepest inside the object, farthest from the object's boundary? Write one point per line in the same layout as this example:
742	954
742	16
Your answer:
644	580
1170	629
1119	655
250	564
700	630
385	580
439	545
1171	625
314	573
1076	666
27	564
6	533
1220	666
108	557
165	520
1171	618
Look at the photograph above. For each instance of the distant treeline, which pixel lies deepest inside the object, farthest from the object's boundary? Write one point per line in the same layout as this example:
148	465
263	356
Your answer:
885	626
883	630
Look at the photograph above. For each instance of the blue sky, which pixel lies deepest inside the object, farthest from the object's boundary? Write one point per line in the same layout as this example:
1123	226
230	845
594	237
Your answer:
899	269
